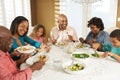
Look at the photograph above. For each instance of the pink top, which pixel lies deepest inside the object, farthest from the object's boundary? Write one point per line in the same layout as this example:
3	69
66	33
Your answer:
41	39
59	35
9	70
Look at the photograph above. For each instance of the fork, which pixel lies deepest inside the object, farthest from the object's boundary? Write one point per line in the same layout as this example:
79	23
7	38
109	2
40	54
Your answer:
72	61
95	51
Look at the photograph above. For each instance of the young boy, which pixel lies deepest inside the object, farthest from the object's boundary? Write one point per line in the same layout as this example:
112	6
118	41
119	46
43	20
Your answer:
112	49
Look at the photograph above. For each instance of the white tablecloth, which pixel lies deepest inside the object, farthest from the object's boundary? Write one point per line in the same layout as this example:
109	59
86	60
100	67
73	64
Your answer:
95	69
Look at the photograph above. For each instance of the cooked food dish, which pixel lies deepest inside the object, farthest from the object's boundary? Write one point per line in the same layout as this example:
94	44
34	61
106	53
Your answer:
43	58
82	45
26	49
75	67
83	55
23	48
61	44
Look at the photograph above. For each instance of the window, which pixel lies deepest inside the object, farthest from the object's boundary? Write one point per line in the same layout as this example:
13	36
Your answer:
79	14
9	9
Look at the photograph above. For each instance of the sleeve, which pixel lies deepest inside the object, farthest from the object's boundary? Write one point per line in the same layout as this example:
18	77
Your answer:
107	47
22	75
106	39
32	42
89	36
74	35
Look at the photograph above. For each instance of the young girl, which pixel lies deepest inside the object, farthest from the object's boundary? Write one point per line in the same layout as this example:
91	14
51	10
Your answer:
38	33
112	49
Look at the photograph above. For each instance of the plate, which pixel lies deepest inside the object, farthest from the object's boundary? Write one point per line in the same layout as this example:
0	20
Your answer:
79	55
26	49
61	44
79	45
36	58
75	68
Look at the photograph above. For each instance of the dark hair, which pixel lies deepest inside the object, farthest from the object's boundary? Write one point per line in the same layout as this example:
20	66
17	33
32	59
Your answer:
36	28
15	23
115	34
97	22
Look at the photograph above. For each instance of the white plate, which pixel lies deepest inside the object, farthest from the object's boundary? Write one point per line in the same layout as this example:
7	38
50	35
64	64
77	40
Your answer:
32	60
66	64
26	49
35	58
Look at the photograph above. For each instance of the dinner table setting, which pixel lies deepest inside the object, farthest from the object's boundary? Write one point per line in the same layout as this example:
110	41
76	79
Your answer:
73	61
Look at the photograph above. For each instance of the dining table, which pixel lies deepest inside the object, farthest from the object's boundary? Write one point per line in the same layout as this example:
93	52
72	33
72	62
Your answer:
95	68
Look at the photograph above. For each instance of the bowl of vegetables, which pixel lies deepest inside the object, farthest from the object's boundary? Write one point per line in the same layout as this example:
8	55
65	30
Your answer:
73	68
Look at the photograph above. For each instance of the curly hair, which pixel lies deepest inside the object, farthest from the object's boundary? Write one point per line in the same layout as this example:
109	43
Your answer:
97	22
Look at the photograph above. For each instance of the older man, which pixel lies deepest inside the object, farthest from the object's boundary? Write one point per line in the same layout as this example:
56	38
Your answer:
8	68
62	32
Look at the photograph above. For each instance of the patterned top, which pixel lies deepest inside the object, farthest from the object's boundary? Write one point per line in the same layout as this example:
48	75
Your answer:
102	37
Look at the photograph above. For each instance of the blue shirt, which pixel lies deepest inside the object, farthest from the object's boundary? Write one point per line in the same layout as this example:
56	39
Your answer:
102	37
111	48
24	39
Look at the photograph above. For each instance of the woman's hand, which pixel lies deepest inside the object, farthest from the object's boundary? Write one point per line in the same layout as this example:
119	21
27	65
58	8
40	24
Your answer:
91	41
96	46
81	40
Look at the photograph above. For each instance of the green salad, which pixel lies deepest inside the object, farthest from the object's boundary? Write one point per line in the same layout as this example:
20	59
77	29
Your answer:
83	55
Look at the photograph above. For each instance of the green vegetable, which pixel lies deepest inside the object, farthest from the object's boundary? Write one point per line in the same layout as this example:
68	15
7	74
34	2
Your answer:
95	55
76	67
84	55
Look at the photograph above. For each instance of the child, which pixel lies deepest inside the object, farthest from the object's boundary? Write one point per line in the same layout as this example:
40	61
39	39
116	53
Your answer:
112	49
38	33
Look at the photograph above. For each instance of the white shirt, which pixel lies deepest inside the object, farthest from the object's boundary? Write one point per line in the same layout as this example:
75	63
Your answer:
60	35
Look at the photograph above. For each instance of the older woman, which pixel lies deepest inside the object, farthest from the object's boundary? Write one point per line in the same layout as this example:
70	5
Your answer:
96	34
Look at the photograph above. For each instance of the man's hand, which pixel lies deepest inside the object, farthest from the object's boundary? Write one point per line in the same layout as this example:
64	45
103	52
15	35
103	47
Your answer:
70	37
37	65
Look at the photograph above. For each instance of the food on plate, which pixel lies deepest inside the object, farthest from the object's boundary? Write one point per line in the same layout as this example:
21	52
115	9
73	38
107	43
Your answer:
79	46
75	67
26	49
95	55
43	58
83	55
82	45
61	43
38	50
23	48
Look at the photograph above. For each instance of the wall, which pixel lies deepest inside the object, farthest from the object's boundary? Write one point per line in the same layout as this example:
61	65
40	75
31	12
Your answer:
118	15
42	12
